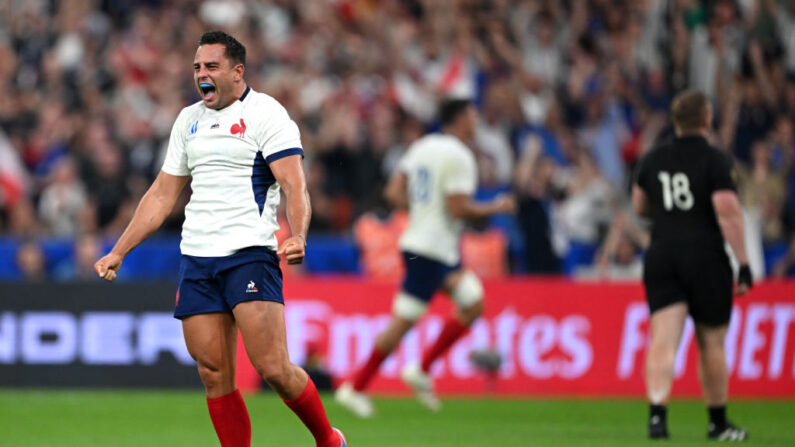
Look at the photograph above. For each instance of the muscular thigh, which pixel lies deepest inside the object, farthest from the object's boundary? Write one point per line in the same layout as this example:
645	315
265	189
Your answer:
262	325
667	325
211	339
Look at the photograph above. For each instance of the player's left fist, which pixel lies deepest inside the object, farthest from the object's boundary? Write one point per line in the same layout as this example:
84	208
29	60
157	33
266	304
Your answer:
745	280
293	249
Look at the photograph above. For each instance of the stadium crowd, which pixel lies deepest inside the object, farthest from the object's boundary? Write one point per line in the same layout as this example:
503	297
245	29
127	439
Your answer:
571	94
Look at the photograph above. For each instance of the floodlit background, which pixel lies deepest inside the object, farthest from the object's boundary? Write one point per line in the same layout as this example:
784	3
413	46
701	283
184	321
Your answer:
570	93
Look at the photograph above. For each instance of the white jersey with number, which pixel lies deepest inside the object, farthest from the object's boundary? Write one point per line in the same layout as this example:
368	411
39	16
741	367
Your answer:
227	153
436	166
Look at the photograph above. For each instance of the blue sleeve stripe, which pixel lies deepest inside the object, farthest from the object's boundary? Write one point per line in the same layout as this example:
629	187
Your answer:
284	153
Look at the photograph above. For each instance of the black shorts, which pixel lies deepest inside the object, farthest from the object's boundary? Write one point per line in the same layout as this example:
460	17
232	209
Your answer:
702	278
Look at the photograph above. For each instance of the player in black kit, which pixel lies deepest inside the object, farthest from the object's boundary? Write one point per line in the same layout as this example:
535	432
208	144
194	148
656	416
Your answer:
687	188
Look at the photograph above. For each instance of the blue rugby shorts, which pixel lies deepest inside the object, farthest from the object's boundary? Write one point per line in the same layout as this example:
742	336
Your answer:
424	276
218	284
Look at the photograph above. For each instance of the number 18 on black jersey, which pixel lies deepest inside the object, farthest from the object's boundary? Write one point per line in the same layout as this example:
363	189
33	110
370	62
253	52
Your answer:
679	178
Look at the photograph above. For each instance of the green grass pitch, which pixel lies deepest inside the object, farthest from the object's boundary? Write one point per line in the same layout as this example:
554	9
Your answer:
43	418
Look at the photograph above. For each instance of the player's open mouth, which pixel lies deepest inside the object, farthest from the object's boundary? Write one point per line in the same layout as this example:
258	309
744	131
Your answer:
207	90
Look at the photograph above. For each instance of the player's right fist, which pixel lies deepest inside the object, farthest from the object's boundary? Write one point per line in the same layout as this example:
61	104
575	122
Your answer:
107	267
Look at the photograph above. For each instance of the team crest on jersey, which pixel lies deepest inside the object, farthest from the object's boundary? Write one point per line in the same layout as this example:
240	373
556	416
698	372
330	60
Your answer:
239	128
251	288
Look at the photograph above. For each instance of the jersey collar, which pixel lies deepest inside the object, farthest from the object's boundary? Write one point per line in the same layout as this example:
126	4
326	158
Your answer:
245	93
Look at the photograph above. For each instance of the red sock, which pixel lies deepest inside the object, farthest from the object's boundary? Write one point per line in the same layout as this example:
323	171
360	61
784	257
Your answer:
230	419
452	331
367	372
309	409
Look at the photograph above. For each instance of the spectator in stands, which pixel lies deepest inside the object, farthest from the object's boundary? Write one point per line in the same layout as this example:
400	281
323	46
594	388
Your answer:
110	193
782	156
63	202
533	182
763	191
786	264
754	120
619	257
30	261
603	134
585	211
491	136
80	267
782	145
22	220
715	49
783	13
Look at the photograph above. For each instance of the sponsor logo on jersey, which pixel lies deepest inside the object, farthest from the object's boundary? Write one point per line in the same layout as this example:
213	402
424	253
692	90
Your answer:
215	125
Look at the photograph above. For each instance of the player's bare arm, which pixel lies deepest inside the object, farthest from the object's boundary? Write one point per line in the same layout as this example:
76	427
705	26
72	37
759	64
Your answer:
153	209
462	206
640	202
289	172
730	220
396	191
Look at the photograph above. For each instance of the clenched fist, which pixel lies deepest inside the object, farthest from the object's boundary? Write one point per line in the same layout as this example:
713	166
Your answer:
107	267
293	248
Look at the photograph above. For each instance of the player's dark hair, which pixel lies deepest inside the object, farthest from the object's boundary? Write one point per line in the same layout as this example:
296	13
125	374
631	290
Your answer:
689	110
235	50
451	109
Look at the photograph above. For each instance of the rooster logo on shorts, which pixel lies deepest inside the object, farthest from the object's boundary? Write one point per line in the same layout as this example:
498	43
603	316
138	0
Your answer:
251	288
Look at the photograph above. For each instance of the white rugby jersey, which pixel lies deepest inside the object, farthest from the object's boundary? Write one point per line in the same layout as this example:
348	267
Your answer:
436	166
227	153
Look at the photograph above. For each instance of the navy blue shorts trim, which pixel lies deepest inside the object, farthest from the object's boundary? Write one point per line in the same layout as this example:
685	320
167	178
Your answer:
424	276
218	284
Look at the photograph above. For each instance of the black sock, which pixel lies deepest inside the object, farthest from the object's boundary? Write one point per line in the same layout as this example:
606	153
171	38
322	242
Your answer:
658	410
717	415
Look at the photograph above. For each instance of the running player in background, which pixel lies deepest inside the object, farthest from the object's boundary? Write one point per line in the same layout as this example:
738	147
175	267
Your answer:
435	179
687	188
239	147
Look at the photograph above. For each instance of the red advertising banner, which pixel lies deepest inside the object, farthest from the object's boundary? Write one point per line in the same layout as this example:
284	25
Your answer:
556	337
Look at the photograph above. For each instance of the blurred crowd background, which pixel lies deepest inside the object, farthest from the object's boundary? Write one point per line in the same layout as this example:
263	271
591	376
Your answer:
570	93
